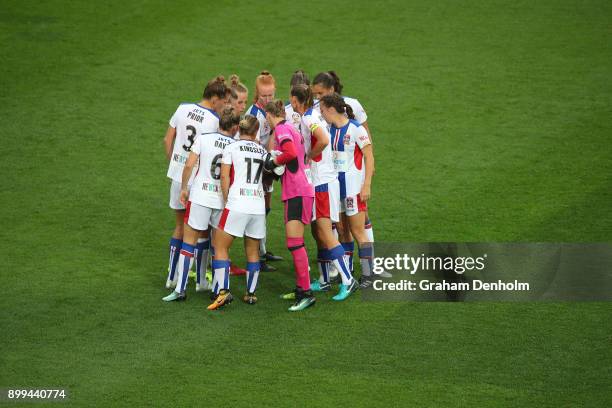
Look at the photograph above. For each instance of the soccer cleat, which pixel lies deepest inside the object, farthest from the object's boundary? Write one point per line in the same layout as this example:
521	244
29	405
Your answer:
346	290
266	267
317	286
171	284
288	296
365	282
303	300
224	298
175	296
250	298
236	271
269	256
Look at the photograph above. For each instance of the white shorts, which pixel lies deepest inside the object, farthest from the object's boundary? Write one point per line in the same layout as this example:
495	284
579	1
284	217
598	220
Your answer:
240	224
175	196
200	217
352	205
327	201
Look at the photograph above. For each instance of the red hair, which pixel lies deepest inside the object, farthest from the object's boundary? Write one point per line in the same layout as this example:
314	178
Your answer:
264	78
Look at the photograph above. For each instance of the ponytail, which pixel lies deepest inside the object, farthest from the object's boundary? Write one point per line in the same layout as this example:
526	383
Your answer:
337	102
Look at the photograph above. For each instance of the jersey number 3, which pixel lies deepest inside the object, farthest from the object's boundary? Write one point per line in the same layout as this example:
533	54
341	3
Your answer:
190	138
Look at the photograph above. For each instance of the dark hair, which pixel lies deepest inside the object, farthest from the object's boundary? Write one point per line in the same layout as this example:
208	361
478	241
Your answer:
237	86
303	93
249	125
228	119
329	79
299	77
275	108
337	102
215	87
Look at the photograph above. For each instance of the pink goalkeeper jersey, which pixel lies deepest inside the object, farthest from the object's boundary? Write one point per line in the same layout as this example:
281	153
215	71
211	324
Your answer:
294	180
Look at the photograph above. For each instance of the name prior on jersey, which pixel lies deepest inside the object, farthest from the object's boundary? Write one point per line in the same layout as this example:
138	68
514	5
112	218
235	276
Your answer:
195	116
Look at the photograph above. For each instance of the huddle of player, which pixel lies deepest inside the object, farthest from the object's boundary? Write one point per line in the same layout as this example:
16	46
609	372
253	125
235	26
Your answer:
222	167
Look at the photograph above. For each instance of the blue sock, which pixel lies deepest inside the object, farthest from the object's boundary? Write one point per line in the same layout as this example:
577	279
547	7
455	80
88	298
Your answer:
252	276
201	250
349	248
221	270
365	258
175	251
336	255
186	259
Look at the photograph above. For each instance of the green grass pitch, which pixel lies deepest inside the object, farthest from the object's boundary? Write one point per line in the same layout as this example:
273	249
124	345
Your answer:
491	122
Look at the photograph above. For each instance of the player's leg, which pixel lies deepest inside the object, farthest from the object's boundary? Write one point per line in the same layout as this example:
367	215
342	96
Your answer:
221	269
190	237
346	239
175	248
202	251
231	224
335	254
177	235
368	227
251	249
322	283
298	212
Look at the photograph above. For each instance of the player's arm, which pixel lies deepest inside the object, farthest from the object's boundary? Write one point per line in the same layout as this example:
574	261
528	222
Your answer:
187	170
367	128
368	157
322	141
225	180
169	141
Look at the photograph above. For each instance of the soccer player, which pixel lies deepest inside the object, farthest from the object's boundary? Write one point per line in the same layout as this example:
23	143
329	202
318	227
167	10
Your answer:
327	193
244	214
203	201
299	77
189	120
354	162
326	83
297	195
265	88
239	96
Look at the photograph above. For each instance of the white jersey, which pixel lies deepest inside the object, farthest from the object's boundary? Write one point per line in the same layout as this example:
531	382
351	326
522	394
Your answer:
360	114
264	132
206	186
246	193
347	143
322	166
292	117
189	120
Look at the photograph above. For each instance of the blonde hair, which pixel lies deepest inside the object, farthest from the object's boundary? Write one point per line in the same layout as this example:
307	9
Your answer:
237	86
249	125
264	78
